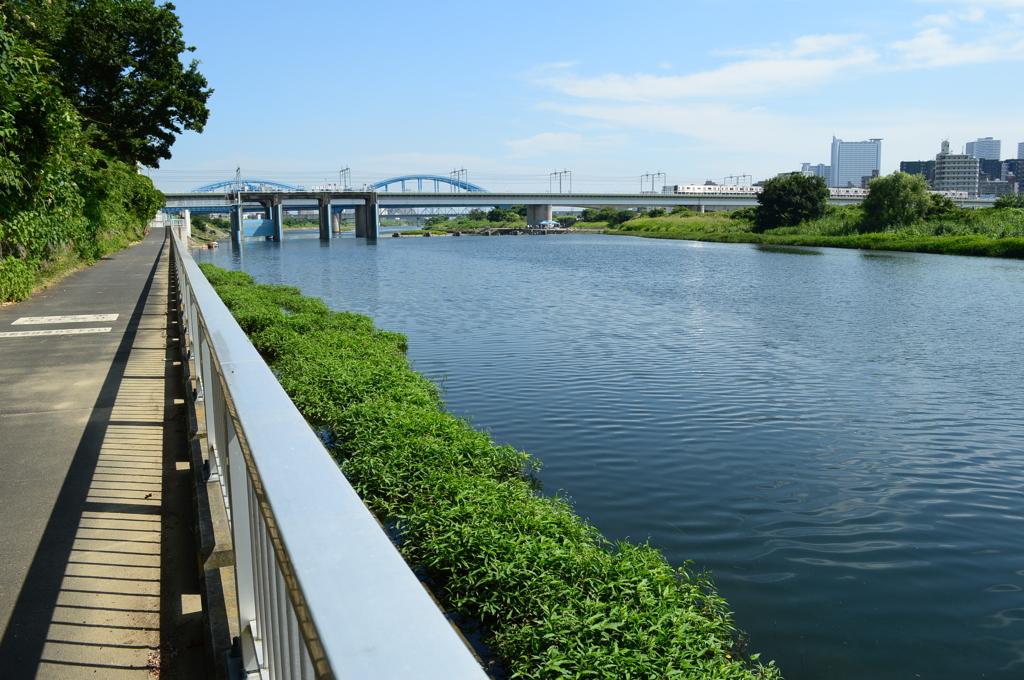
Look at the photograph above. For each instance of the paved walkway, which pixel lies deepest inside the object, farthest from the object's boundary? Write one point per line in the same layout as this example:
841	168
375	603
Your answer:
98	569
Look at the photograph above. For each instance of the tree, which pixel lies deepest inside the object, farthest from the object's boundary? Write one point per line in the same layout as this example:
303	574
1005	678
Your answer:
1010	201
118	64
656	212
621	217
436	221
788	200
895	200
476	215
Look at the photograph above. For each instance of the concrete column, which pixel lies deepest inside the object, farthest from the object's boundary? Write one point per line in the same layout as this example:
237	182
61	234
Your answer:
237	227
531	215
544	213
361	221
186	227
336	222
277	213
325	219
372	220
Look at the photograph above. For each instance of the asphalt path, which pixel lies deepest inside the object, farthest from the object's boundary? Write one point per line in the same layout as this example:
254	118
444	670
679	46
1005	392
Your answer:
64	354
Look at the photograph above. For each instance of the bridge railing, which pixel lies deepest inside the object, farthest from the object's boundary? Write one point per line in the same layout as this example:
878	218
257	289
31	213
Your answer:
322	592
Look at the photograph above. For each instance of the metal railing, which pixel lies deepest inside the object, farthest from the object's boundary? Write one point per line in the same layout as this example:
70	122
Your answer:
322	592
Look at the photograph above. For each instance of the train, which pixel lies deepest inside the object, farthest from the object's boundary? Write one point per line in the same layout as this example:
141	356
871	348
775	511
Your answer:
744	190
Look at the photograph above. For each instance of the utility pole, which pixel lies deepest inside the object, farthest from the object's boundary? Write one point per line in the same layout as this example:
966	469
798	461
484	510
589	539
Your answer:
654	178
238	177
564	174
457	178
738	179
345	177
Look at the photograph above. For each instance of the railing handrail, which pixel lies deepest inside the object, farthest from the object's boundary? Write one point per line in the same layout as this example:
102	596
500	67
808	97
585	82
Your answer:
359	610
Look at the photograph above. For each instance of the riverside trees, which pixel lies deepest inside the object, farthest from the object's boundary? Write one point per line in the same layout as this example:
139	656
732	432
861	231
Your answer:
788	200
896	200
87	89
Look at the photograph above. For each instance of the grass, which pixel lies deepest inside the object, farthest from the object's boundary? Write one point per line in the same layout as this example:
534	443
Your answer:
549	594
986	233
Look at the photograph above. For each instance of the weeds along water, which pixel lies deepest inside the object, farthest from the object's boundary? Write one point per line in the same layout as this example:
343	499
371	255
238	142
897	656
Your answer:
550	595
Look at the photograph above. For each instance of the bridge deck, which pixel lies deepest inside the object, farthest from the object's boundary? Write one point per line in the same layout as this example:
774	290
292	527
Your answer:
98	572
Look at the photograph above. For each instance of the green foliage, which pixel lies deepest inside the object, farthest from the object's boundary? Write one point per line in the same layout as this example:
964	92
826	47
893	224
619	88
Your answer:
788	200
898	199
436	220
16	279
943	208
117	62
476	215
656	212
681	210
620	217
502	215
553	598
59	197
1010	201
748	213
566	221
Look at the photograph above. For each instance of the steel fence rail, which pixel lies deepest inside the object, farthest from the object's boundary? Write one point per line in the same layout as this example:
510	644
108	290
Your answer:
322	592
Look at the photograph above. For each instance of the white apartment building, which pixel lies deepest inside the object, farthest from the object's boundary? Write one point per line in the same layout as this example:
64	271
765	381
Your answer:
852	161
956	172
985	147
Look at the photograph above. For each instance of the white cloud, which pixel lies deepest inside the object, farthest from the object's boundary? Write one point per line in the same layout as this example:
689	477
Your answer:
934	47
565	142
769	73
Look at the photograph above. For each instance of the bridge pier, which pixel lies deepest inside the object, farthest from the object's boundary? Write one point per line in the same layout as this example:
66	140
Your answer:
325	219
278	218
535	214
336	222
368	221
237	228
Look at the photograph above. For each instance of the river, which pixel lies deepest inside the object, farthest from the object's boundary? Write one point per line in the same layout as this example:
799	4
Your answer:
837	435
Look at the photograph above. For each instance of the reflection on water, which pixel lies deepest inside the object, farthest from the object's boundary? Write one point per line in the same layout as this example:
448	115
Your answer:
838	438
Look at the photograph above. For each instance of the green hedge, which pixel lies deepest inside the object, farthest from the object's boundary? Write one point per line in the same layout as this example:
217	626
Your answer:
554	599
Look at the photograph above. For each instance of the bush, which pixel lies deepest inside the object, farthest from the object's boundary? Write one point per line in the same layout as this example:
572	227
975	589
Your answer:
16	279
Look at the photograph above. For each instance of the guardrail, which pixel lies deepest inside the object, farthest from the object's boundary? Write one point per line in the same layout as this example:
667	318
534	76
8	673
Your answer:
322	592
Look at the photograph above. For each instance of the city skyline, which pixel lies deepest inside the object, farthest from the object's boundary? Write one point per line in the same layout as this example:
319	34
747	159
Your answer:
695	92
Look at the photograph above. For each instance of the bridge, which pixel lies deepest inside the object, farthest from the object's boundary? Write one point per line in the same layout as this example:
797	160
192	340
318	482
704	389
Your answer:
272	198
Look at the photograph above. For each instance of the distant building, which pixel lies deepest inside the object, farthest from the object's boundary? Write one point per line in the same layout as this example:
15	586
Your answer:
1012	166
990	169
1020	150
819	170
991	188
851	161
955	172
867	178
926	168
985	147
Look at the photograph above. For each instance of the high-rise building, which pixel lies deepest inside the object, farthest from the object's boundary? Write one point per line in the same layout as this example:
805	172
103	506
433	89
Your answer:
955	172
1020	150
852	161
985	147
926	168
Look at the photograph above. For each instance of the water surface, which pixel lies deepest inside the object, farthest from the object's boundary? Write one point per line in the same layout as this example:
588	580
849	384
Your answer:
837	435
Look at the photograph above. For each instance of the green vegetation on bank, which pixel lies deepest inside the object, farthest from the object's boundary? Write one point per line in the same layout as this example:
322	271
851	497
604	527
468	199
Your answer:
552	597
899	214
87	91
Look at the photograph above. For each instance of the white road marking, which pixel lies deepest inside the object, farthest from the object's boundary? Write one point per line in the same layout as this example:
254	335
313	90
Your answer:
74	318
57	331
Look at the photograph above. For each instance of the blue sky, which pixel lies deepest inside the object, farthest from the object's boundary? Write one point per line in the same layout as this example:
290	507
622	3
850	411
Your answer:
608	90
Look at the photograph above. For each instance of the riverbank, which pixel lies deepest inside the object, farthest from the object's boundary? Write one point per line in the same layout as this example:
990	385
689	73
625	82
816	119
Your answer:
553	597
984	233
